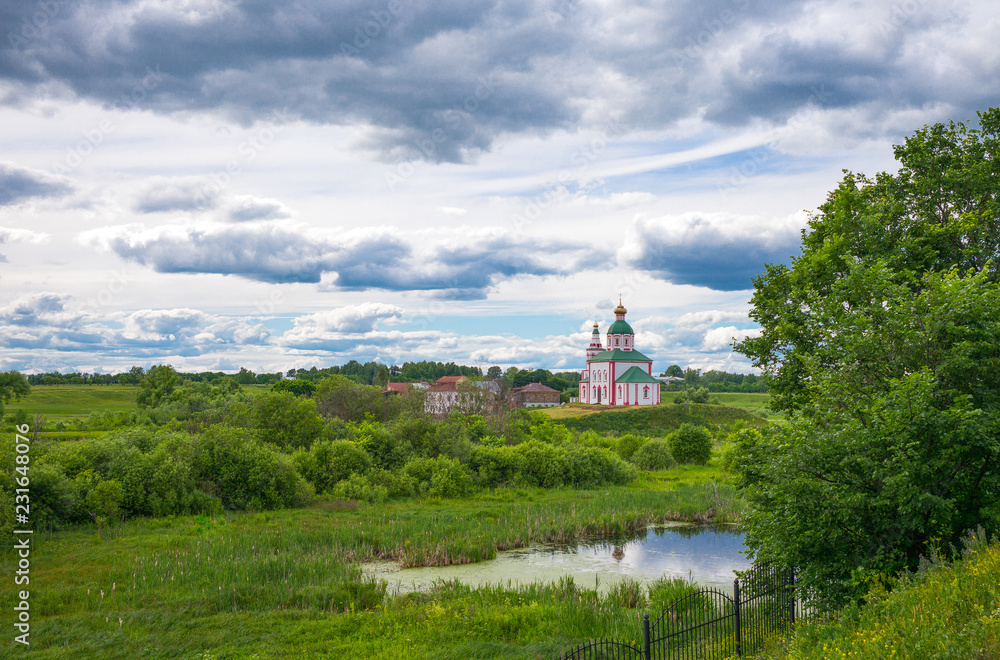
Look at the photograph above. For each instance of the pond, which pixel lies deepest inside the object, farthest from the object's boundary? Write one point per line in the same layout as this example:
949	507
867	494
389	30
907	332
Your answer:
706	556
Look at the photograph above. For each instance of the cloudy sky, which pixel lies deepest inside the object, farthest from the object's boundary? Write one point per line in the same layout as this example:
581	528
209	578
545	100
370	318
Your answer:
215	184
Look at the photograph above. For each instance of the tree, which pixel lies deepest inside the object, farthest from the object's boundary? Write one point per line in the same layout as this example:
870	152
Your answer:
494	372
674	371
13	385
879	341
157	386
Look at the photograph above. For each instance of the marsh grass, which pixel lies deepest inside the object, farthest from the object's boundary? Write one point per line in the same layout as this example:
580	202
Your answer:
239	584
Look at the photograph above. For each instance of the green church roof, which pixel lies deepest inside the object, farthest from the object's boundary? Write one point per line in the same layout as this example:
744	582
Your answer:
620	327
636	375
619	354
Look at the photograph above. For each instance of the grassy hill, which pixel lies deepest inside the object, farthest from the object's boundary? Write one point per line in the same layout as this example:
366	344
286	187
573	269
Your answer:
69	403
650	420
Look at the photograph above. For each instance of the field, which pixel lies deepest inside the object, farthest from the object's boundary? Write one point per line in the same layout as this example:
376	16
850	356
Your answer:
287	582
72	403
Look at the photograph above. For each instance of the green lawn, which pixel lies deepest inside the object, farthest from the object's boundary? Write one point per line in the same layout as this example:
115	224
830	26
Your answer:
756	403
69	403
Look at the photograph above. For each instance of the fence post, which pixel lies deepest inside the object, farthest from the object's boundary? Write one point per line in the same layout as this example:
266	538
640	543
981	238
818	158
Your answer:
791	594
645	636
736	614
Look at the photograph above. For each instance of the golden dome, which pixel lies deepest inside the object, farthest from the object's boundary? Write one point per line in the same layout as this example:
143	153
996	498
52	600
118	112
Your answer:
595	325
620	309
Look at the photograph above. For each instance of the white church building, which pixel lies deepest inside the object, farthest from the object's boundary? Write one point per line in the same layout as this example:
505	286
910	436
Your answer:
618	375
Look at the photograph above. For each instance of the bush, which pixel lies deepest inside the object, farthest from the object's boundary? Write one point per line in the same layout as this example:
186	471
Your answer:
247	473
497	466
329	462
653	455
359	487
439	477
691	444
629	444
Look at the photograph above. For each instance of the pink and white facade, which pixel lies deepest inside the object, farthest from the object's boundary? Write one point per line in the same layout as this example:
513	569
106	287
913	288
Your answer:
618	375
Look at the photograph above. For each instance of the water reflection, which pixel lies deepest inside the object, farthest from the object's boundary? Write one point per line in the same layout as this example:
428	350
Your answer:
705	555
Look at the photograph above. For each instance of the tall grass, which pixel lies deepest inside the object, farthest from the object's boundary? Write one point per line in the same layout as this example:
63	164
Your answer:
945	611
178	586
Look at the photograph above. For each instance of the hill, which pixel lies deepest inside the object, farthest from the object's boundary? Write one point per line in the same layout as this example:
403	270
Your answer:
652	420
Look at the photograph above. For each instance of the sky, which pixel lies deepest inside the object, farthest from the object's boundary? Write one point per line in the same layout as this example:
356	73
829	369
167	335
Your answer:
273	185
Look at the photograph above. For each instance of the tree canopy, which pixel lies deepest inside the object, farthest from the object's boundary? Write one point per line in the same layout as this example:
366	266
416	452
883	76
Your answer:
879	341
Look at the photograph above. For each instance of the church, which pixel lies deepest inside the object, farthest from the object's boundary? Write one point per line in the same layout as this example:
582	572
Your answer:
618	375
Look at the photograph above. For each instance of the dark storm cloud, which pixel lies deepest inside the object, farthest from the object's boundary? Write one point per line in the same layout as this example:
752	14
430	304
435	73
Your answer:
464	268
718	254
442	80
19	183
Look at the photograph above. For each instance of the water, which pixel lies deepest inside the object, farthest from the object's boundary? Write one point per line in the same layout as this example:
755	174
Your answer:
706	556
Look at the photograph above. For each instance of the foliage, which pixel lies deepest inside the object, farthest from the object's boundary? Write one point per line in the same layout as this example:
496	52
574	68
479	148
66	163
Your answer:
880	341
690	444
328	462
338	396
13	385
248	474
654	455
296	387
157	385
439	477
947	611
628	444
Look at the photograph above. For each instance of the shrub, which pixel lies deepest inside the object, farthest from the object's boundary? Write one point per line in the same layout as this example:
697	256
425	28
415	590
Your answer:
587	467
328	462
359	487
386	450
497	466
247	473
439	477
653	455
691	444
628	444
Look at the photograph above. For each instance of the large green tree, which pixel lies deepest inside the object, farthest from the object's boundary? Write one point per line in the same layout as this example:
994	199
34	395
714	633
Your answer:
13	385
879	341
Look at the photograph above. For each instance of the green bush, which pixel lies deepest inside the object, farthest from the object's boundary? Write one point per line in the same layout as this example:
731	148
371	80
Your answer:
629	444
691	444
359	487
246	473
439	477
653	455
328	462
497	466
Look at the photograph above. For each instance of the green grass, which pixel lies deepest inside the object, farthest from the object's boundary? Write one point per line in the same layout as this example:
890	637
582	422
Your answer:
288	583
71	403
755	403
660	420
947	611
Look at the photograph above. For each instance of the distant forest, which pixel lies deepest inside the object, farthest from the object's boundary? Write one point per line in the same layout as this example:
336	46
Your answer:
375	373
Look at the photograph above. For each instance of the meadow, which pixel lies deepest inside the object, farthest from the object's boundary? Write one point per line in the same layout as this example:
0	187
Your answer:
288	582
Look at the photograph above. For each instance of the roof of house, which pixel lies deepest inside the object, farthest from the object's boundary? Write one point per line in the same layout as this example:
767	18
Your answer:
448	379
534	387
636	375
619	354
396	387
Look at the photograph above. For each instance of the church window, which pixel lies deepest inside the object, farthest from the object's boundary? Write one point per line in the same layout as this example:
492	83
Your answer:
619	390
645	392
616	341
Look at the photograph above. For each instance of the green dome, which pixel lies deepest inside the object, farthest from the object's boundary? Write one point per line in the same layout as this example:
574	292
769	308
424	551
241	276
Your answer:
620	327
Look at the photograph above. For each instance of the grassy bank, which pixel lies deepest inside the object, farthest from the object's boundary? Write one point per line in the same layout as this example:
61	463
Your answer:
946	611
287	582
653	420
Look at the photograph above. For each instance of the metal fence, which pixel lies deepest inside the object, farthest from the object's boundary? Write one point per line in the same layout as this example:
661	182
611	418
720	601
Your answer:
711	624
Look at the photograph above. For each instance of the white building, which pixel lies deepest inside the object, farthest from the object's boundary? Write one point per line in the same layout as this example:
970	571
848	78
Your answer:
618	375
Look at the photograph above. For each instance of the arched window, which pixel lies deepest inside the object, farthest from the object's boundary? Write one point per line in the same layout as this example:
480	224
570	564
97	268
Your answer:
616	341
619	391
645	392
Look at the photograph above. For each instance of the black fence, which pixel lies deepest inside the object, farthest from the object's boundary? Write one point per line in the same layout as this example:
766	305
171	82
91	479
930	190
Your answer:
710	624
